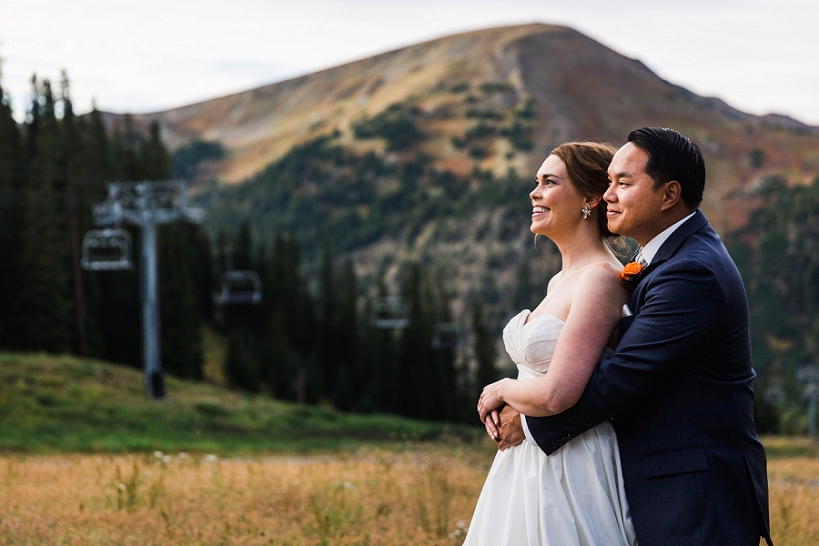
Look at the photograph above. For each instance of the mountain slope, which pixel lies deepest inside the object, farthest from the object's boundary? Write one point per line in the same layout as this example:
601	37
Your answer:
574	88
425	154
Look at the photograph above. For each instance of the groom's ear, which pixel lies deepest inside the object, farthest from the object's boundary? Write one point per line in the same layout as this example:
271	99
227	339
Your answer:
672	193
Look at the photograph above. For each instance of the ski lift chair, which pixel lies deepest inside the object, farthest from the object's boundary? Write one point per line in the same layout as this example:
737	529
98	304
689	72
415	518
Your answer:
389	313
445	336
106	250
240	288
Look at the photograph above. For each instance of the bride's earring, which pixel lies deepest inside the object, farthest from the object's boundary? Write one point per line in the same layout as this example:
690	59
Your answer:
585	211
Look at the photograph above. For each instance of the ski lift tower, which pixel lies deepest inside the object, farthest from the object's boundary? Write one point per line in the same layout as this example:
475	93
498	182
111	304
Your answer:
809	375
146	204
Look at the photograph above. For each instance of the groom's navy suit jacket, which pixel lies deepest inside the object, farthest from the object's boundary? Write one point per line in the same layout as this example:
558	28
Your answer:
678	391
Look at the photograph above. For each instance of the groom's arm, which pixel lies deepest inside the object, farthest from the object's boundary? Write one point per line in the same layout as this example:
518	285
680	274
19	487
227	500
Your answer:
680	315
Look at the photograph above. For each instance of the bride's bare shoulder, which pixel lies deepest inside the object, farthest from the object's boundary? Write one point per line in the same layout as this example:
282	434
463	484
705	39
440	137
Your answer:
601	272
602	278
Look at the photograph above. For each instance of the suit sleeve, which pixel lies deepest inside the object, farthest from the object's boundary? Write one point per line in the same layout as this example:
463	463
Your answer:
679	315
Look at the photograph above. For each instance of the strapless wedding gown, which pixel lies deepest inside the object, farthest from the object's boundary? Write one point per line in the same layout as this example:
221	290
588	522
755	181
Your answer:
575	496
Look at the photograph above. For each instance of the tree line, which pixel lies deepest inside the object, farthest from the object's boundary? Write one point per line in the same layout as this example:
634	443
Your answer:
776	252
53	169
329	345
311	338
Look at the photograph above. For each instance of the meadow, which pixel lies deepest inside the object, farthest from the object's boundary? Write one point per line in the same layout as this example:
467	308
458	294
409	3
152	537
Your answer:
85	459
414	494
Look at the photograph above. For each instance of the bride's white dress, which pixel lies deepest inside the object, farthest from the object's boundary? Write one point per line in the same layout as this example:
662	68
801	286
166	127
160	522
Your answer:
574	496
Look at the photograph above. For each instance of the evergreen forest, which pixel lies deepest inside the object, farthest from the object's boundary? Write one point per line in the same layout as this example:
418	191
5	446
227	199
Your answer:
310	338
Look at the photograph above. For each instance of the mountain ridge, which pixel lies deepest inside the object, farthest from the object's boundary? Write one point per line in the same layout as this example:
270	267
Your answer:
422	155
580	89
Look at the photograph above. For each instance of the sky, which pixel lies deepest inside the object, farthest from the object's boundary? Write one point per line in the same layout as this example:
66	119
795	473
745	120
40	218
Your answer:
760	56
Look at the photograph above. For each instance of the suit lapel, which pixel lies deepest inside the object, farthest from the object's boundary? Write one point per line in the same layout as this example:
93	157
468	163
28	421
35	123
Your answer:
666	251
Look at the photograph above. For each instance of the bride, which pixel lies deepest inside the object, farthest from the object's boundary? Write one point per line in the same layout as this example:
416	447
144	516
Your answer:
574	496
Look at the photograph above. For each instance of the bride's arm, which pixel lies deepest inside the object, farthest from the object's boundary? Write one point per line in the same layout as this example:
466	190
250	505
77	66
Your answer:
595	312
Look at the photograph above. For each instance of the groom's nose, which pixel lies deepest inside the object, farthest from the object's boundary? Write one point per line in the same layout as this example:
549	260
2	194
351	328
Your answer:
610	196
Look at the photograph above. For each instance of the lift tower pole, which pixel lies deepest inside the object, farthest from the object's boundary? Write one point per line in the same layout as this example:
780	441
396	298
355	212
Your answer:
146	204
810	376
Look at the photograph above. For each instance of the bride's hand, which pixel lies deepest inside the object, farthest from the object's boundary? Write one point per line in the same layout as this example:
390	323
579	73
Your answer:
492	424
491	399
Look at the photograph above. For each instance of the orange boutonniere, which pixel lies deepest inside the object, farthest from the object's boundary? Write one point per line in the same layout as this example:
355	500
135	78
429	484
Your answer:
630	275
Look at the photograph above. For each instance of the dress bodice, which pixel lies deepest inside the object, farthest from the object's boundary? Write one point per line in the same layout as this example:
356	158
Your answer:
531	344
573	497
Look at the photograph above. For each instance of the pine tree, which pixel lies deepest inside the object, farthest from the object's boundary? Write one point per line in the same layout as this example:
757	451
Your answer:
418	395
241	365
445	347
44	307
347	389
327	334
71	159
485	351
12	168
154	159
96	167
116	294
98	159
296	300
381	366
181	326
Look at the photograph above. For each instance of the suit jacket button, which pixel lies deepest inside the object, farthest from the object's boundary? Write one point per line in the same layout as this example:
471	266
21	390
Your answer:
569	436
555	445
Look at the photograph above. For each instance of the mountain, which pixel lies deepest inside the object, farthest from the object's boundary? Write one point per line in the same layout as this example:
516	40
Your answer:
426	154
567	85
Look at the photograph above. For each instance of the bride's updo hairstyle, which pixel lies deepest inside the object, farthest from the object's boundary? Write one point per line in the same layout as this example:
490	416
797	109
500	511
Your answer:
587	165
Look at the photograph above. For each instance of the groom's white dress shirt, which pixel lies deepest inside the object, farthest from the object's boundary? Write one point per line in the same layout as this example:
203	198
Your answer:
647	254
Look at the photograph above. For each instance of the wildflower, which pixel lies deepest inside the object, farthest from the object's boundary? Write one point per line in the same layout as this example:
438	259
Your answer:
211	458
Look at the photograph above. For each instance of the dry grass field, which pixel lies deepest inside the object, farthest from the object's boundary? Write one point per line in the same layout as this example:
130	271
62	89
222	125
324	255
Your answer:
420	495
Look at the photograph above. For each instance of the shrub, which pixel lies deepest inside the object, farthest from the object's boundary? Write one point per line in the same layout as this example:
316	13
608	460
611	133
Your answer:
396	125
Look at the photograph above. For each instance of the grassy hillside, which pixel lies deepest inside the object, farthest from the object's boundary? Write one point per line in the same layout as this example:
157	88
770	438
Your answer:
56	403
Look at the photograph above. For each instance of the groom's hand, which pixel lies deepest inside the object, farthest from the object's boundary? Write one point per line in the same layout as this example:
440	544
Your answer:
511	431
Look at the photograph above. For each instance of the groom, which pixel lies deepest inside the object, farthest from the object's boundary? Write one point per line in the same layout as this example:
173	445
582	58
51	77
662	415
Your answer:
678	387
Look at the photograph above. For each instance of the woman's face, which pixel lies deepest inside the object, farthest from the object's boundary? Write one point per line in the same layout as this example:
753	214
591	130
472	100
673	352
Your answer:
556	203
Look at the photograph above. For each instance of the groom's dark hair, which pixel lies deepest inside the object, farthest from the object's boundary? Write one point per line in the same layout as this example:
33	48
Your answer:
672	156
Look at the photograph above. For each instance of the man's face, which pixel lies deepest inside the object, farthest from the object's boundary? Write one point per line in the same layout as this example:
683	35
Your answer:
633	205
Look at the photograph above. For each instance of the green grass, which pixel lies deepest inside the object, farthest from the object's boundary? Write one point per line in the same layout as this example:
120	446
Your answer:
64	404
53	404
